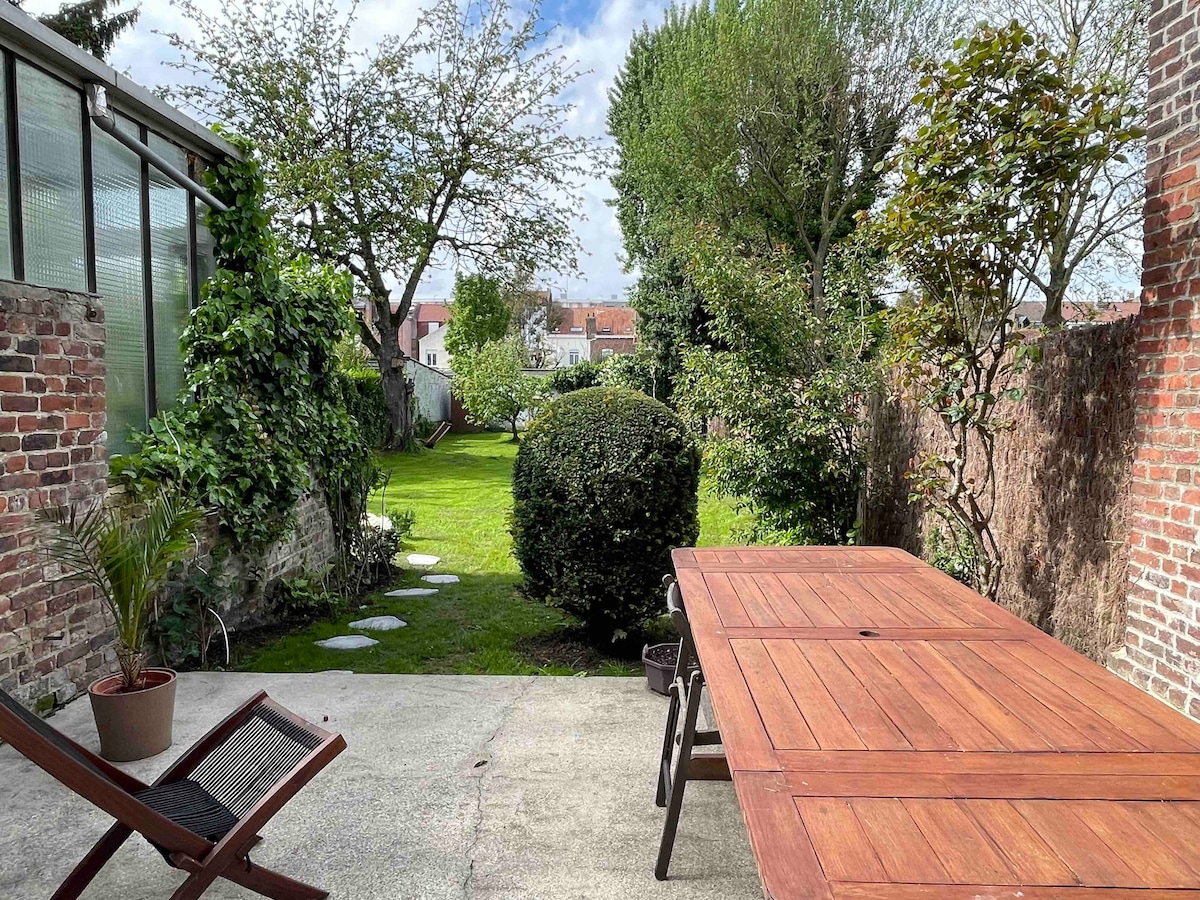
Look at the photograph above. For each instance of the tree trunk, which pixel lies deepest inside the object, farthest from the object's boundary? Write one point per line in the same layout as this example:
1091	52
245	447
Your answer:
397	393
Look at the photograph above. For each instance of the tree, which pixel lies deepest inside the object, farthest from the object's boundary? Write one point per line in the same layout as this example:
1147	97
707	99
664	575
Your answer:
445	144
748	138
478	315
87	24
1008	129
491	385
1099	223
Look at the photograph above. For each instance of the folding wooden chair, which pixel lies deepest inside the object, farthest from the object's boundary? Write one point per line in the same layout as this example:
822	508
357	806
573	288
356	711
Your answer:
204	813
685	693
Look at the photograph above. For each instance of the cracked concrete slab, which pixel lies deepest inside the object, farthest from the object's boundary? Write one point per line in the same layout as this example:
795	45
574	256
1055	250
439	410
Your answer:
452	787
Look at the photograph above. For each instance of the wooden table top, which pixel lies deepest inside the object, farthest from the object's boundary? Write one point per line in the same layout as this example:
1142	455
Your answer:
891	733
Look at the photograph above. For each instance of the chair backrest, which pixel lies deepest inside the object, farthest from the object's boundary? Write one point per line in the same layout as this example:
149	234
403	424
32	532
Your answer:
679	619
253	758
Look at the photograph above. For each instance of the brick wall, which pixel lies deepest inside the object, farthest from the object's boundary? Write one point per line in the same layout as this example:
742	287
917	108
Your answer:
53	638
1162	640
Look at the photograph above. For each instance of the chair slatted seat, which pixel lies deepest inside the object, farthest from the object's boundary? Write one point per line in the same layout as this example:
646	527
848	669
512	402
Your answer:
204	813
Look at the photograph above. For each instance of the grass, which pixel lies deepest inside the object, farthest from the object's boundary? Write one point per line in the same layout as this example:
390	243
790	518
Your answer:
461	496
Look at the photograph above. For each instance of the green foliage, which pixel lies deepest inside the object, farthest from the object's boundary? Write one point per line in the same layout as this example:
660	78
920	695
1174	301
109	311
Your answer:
1007	131
124	555
450	140
266	403
362	392
604	487
635	371
492	386
584	374
748	137
953	551
478	315
304	597
185	622
87	24
784	395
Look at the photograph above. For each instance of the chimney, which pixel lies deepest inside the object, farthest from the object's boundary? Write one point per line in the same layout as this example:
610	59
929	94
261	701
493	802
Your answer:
590	325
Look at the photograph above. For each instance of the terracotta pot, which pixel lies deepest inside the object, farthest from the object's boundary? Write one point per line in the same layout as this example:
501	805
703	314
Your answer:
135	724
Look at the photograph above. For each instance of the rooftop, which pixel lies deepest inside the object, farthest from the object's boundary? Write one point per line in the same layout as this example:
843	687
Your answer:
611	321
452	786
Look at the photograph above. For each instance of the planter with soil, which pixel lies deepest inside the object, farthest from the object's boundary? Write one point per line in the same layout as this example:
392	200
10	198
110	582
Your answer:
134	724
659	662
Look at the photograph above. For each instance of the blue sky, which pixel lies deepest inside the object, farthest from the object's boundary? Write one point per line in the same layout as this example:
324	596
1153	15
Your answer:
594	33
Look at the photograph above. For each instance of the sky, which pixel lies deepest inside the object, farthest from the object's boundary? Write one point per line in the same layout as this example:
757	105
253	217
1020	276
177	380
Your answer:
596	34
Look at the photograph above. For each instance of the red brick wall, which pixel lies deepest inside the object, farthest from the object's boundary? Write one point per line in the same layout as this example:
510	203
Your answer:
1162	652
53	638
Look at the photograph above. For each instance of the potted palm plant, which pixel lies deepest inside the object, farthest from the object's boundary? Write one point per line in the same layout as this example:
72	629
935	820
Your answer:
125	557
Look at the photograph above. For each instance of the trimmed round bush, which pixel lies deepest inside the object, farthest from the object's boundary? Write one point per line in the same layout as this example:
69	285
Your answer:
604	487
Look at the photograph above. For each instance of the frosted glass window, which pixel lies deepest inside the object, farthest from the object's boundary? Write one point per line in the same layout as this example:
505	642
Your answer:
117	199
206	263
6	260
50	131
170	207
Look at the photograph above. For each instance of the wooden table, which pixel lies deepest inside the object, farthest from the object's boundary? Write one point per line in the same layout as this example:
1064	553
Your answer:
890	733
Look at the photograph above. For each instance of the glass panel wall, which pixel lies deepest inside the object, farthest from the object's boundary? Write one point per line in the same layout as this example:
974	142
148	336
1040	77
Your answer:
6	260
117	198
170	207
50	131
145	229
206	262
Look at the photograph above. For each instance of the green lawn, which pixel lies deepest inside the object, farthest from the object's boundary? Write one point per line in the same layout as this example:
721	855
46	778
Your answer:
461	495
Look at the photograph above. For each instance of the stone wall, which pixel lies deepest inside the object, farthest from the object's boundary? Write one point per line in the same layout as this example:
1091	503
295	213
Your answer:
1162	638
54	638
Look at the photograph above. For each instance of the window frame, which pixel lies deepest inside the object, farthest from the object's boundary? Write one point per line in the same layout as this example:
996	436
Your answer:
10	57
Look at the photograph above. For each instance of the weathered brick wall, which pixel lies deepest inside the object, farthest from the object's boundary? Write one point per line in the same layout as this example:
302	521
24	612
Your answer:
1162	638
54	638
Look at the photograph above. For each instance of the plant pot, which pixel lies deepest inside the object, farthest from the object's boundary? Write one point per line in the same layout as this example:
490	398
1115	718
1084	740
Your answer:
659	662
134	724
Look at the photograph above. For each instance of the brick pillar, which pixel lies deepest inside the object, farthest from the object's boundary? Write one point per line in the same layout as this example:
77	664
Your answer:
53	637
1162	642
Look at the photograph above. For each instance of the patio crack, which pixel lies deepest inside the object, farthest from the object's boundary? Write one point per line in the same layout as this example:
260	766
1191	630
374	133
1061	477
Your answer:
481	771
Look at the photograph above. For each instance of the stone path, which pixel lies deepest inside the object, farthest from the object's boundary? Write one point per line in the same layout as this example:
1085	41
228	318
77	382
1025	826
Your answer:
379	623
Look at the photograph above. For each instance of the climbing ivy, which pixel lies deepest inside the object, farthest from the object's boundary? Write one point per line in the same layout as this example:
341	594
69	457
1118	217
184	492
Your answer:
263	405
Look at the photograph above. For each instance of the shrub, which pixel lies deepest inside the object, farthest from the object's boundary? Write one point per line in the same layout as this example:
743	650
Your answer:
363	392
604	487
629	370
583	374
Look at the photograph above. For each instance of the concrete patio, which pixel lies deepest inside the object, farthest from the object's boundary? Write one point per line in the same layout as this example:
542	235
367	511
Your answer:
452	787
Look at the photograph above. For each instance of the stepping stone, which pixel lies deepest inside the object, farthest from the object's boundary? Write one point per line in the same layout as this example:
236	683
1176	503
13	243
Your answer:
440	579
412	592
379	623
347	642
423	559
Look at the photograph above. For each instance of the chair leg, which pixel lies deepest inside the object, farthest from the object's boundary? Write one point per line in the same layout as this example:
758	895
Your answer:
271	884
679	782
90	866
668	747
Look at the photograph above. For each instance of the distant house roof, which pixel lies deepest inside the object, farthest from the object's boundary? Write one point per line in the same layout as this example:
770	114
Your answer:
611	321
1031	312
433	312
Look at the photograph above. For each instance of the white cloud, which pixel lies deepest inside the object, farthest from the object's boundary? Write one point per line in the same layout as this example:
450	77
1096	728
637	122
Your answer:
599	44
